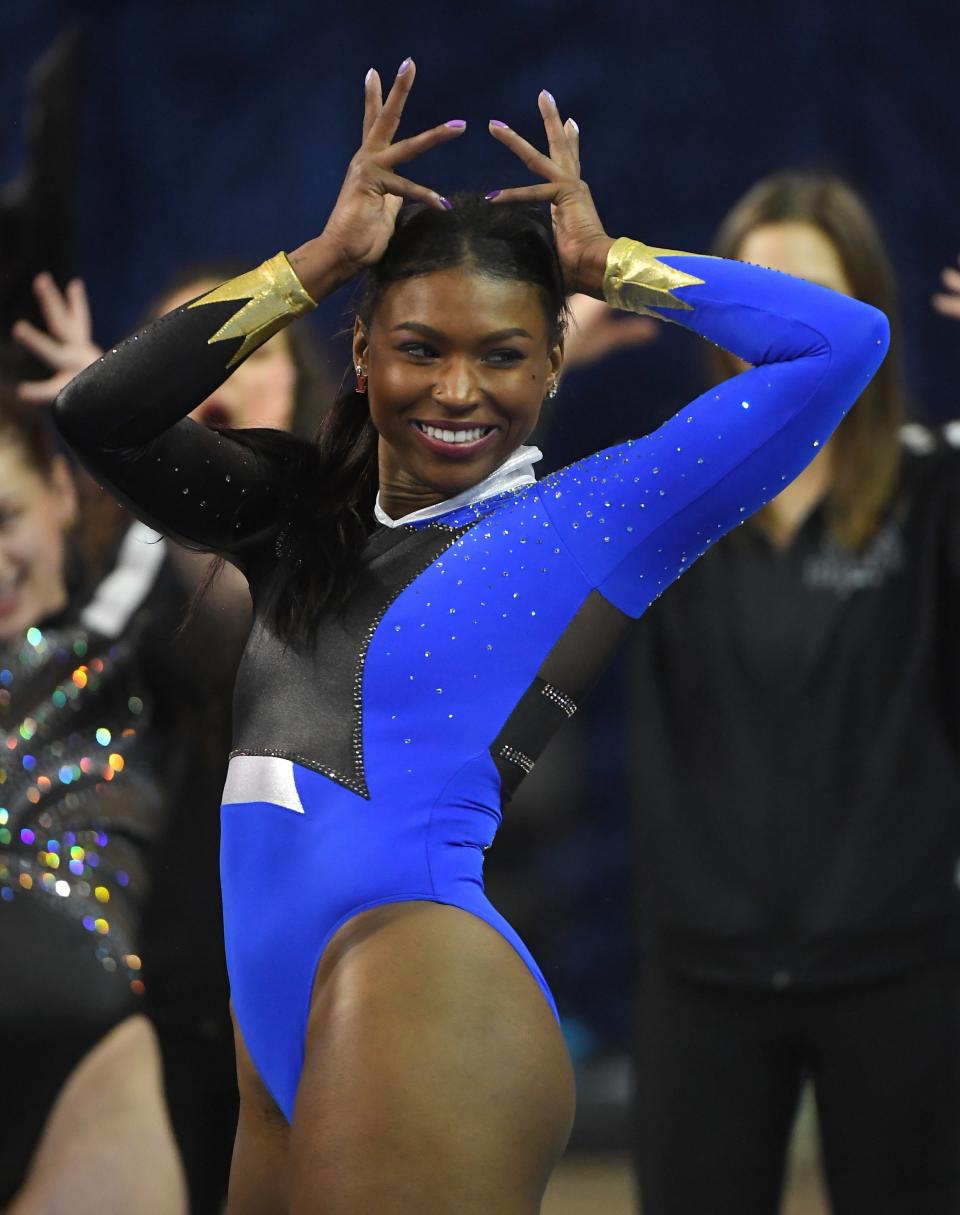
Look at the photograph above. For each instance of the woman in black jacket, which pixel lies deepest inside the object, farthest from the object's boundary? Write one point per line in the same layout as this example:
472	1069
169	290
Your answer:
797	779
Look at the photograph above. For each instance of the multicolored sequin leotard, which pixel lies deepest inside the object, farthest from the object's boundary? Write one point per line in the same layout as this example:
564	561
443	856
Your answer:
372	766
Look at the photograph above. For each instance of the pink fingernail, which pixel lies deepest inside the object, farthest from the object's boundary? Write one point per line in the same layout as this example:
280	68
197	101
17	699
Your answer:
492	195
404	66
445	202
574	124
495	122
549	96
455	122
368	77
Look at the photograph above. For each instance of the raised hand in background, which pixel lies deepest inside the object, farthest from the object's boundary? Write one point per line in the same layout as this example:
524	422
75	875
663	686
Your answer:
67	346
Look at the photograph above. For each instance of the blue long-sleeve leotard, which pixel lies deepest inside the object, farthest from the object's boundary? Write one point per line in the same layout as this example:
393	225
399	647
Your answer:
372	766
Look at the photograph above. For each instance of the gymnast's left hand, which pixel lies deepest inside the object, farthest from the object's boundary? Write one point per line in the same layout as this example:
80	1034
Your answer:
582	243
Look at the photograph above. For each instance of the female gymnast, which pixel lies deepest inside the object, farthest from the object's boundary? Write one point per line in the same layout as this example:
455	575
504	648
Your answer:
426	615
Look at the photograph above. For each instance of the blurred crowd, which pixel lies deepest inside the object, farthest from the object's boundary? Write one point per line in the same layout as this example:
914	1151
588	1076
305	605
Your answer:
770	777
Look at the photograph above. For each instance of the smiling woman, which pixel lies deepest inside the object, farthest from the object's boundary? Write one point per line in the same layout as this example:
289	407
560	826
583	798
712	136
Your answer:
398	1046
80	804
453	393
457	348
38	505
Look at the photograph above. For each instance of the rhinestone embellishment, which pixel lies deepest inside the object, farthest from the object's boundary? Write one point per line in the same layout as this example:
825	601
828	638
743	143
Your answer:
559	698
516	757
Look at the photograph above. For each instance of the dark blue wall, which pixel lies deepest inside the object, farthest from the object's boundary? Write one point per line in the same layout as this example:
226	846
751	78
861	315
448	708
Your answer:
220	128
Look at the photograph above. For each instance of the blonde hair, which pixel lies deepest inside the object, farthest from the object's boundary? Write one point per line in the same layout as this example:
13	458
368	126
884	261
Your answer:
865	450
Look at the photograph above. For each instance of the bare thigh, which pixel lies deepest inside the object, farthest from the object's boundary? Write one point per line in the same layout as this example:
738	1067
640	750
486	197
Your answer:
436	1078
107	1144
258	1172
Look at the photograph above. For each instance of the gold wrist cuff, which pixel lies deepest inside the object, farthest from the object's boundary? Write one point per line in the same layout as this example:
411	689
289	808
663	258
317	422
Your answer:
272	296
636	280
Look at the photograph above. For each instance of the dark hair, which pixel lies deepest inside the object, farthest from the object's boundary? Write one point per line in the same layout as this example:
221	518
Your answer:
866	447
329	487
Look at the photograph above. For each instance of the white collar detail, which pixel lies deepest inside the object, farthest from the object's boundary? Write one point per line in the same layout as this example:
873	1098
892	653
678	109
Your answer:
515	471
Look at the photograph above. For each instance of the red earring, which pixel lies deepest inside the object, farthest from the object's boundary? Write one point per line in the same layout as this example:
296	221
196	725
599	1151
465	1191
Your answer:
361	378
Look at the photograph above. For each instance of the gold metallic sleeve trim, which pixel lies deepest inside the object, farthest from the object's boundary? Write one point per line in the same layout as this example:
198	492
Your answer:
272	295
636	280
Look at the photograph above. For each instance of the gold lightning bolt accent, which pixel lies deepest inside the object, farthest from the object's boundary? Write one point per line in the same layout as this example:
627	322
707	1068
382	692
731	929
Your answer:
636	280
272	295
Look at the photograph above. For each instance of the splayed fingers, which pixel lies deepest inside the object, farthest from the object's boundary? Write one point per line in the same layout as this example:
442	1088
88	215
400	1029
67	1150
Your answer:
67	345
363	218
580	236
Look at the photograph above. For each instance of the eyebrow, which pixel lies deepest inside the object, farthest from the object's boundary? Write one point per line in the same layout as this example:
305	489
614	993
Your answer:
430	332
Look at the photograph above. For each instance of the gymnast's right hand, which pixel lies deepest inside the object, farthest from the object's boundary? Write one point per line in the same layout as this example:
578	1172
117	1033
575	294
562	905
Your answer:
362	220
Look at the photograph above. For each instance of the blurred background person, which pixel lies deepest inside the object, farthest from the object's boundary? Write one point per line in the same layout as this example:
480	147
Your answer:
81	808
794	731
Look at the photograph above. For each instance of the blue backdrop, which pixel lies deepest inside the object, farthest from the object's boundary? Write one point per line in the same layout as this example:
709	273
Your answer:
213	128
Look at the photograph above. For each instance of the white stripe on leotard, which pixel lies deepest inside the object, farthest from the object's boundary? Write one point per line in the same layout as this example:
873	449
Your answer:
261	778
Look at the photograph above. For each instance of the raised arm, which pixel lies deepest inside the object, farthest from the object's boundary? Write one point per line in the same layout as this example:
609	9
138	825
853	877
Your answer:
125	416
637	515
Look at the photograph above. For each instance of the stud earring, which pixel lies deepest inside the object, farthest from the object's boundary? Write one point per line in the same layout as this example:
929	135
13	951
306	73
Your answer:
361	378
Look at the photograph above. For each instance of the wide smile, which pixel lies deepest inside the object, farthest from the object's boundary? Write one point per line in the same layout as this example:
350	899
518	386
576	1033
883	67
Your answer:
456	440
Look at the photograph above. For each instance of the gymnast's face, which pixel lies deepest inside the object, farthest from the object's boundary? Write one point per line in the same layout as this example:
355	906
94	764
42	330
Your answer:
36	510
458	365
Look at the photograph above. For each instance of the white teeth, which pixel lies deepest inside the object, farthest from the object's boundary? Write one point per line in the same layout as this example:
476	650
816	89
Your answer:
455	436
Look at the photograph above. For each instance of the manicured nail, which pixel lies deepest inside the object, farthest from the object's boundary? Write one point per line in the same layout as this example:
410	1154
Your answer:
455	122
492	195
368	77
549	96
405	66
445	202
573	123
495	122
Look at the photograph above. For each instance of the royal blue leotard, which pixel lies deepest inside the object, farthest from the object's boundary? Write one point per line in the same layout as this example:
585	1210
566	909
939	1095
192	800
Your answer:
371	767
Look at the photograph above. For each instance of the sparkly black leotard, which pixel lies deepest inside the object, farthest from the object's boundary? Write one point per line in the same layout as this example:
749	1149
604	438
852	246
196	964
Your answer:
81	804
372	767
